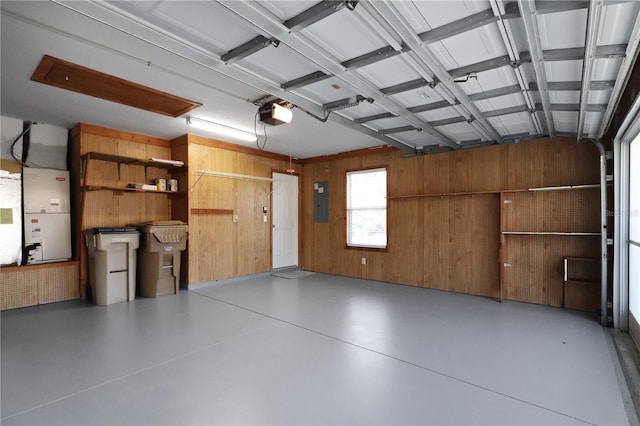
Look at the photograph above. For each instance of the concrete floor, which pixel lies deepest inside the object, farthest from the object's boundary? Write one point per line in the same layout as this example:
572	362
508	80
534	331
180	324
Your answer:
315	350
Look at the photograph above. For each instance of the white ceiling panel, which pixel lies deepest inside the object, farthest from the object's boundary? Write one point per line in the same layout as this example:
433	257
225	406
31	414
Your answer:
386	123
512	124
565	121
620	16
606	68
175	46
489	80
563	70
459	131
422	96
592	122
328	90
203	23
564	97
473	46
563	29
501	102
278	64
286	9
599	96
415	138
438	114
343	36
426	15
388	72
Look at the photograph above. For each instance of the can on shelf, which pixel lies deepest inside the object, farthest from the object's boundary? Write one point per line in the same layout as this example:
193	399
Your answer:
173	185
161	184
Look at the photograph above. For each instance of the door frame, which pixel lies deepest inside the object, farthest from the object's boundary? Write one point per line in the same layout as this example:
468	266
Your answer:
300	223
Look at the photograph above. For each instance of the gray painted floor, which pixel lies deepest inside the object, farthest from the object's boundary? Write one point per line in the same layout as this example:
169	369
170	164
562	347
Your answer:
315	350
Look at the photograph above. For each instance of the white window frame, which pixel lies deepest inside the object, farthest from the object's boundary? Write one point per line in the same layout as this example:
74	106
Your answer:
351	208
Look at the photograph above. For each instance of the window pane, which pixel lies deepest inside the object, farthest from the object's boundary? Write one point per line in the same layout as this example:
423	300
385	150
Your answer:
367	208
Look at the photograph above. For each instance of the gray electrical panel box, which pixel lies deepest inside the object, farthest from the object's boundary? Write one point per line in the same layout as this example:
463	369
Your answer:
321	201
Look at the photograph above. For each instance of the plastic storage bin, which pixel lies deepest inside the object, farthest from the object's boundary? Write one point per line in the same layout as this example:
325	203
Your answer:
159	256
112	264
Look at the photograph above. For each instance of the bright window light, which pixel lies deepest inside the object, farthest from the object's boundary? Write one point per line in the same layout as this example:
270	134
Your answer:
367	208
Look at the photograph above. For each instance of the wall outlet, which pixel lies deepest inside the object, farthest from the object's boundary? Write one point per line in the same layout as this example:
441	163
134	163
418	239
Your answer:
264	218
364	260
235	218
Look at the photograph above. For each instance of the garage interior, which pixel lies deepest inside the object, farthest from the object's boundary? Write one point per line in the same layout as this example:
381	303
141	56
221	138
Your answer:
499	286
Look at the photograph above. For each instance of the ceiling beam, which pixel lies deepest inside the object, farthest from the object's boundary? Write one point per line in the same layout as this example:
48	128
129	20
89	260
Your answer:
254	13
622	77
314	14
249	48
374	117
507	111
306	80
501	91
397	130
370	57
578	53
404	87
429	107
447	121
420	53
560	86
575	107
528	13
107	14
593	23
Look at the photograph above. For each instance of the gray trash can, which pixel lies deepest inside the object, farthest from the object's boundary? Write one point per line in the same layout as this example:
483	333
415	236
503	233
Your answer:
159	256
112	264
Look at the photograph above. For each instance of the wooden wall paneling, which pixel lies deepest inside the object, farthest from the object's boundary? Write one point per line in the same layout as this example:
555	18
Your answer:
436	173
537	271
524	211
476	170
307	250
403	261
474	245
570	163
436	243
525	165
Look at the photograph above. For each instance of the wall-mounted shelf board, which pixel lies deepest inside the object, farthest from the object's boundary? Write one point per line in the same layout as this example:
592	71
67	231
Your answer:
211	211
152	162
119	188
453	194
578	234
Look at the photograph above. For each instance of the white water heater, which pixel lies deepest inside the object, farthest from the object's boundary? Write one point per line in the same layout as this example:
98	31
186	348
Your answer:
47	215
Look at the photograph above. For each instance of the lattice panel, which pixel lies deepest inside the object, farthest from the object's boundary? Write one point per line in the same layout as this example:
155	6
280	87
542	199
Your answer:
33	285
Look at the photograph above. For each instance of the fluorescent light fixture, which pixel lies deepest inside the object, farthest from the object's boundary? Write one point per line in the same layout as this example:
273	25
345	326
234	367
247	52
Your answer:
281	113
221	129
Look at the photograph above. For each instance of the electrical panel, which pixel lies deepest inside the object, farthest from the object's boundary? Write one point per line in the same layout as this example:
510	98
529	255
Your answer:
321	201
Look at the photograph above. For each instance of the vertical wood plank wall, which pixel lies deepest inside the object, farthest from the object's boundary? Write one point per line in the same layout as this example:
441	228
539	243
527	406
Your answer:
107	208
219	247
440	238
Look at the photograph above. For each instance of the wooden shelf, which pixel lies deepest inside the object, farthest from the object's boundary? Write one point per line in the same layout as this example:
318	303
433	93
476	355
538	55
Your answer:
130	160
453	194
125	189
575	234
211	211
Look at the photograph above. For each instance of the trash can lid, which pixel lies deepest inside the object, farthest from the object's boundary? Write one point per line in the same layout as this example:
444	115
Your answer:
108	230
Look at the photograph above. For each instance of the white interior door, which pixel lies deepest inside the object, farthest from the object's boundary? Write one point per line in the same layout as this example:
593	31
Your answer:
284	220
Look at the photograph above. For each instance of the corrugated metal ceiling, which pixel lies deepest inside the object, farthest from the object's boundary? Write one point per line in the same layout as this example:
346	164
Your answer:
415	74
